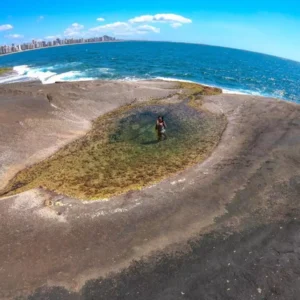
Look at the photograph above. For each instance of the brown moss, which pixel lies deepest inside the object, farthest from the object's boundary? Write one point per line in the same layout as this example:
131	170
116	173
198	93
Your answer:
195	89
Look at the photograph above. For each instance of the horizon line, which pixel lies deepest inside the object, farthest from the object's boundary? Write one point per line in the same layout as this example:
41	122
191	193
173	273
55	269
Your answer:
218	46
157	41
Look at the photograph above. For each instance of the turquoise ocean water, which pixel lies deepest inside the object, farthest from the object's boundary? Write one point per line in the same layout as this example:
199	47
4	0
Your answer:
233	70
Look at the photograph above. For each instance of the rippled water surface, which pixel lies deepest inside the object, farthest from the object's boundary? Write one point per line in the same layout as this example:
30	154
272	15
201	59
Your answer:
233	70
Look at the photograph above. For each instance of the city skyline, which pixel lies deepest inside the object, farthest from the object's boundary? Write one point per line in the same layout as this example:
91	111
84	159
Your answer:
15	47
270	27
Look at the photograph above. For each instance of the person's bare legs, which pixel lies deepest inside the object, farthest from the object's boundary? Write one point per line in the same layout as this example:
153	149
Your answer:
159	136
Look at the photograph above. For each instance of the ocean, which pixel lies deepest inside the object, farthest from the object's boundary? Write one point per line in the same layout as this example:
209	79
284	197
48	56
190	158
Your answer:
235	71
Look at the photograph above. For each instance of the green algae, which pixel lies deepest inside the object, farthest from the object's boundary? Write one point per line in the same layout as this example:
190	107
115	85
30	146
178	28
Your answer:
121	152
5	70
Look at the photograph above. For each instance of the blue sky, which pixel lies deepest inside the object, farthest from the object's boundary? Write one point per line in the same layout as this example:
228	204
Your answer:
271	27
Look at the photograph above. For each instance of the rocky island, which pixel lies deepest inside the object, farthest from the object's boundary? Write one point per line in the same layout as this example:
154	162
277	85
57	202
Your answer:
92	207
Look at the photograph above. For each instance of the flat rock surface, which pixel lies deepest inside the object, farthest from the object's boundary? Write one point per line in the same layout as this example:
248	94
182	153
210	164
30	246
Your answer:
36	120
224	229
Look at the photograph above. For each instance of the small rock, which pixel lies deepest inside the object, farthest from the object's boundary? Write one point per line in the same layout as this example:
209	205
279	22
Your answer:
48	202
259	290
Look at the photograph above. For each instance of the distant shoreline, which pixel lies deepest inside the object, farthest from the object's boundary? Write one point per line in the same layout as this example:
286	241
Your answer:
56	46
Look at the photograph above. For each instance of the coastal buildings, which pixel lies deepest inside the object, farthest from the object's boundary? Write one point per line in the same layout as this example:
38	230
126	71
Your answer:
6	49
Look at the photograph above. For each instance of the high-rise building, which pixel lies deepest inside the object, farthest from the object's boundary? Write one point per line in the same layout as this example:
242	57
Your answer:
5	49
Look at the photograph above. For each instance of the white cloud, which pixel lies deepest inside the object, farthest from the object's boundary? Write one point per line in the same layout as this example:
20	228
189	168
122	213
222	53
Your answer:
52	37
14	36
162	18
123	29
40	18
176	25
118	28
142	19
110	26
73	30
147	28
5	27
101	19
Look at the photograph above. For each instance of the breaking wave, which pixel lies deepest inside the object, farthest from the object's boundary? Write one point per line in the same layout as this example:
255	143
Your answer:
25	73
46	75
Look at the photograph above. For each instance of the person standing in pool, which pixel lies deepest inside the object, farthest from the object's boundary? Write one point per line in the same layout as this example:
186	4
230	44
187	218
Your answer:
161	128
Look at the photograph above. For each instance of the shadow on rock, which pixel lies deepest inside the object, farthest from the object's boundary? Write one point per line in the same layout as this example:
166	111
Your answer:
262	263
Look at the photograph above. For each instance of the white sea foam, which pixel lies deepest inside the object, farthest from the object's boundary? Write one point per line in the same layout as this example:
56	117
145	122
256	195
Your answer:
16	76
64	65
21	70
106	70
225	91
68	76
13	78
27	73
42	76
174	79
33	73
243	92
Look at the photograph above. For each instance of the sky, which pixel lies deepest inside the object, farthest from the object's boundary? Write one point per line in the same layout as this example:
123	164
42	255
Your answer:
271	27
